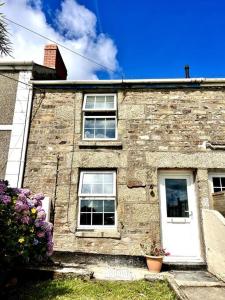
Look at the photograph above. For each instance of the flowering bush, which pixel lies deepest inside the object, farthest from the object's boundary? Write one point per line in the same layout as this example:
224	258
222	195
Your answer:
153	250
25	236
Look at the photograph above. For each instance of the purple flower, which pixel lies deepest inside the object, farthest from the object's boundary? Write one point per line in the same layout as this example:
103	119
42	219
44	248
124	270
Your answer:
49	248
38	197
30	203
25	192
5	199
22	197
25	220
21	206
38	223
40	234
3	186
47	226
41	214
37	203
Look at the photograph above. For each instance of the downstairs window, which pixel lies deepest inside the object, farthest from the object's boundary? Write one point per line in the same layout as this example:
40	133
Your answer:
97	199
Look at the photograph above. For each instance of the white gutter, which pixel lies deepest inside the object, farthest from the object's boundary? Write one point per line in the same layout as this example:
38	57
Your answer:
16	65
130	81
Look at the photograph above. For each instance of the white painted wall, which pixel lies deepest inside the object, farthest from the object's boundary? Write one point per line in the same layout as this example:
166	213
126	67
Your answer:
214	235
20	126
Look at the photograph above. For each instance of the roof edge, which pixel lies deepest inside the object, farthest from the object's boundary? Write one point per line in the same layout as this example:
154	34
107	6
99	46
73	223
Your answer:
16	65
200	81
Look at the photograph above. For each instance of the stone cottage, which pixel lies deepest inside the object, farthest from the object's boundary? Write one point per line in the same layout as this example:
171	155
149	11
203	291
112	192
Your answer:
125	161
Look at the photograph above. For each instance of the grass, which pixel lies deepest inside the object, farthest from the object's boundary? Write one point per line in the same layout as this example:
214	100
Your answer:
91	290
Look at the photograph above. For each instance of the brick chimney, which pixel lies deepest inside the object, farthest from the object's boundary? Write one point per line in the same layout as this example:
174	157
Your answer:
53	59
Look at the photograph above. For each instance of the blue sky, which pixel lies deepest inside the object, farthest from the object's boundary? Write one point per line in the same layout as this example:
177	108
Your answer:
155	39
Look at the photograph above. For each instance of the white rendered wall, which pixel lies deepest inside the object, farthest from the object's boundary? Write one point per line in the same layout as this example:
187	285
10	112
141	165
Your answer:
20	126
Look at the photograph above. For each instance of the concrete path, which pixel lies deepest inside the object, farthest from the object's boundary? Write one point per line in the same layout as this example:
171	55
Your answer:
197	285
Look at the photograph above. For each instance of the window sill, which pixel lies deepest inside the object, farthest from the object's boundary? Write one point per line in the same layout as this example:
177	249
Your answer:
103	144
98	234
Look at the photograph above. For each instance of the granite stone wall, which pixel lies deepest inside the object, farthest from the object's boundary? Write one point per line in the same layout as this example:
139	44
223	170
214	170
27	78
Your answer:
157	129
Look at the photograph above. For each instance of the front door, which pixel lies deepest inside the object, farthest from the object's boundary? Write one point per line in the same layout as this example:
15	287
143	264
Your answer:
179	217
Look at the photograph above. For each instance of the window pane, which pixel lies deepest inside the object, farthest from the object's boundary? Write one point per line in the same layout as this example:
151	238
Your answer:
176	198
109	98
100	123
89	123
89	133
110	102
217	189
108	188
109	219
109	105
108	178
88	178
85	206
97	219
110	133
97	189
97	205
216	181
100	133
100	102
90	102
97	178
110	123
86	189
85	219
109	205
223	181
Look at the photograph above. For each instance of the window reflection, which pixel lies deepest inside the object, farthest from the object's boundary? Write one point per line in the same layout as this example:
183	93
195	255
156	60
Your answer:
176	198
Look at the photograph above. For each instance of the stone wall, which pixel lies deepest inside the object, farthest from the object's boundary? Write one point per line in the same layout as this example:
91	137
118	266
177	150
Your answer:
156	129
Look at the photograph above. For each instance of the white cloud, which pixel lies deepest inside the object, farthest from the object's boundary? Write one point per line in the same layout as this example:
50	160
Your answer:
75	20
76	29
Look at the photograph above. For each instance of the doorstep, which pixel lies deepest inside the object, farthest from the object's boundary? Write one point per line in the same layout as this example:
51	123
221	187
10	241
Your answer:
184	266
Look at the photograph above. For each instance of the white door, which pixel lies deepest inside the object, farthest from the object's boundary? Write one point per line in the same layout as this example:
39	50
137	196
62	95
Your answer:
179	217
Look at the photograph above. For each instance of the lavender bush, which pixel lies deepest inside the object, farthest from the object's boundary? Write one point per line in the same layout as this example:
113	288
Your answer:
25	236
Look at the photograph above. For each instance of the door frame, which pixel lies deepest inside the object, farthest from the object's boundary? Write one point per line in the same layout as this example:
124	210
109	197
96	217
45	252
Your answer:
188	174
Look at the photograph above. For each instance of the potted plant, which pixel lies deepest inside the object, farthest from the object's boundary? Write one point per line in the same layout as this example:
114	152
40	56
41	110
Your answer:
154	256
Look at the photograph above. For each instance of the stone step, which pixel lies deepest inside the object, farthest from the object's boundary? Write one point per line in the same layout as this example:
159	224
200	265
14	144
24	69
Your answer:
202	266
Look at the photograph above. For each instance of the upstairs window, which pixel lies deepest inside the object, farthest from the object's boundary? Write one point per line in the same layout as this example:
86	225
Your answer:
100	117
97	199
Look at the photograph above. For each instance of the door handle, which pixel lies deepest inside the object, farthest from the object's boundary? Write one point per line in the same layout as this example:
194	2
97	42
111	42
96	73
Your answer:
190	212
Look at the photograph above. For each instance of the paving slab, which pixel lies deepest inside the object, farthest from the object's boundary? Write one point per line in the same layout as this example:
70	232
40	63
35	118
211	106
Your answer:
118	273
196	285
196	278
204	293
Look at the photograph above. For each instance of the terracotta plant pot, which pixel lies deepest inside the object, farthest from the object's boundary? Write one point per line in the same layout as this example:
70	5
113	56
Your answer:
154	263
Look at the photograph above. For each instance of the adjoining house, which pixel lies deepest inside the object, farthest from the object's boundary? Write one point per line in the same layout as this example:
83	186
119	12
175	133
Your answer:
125	161
16	103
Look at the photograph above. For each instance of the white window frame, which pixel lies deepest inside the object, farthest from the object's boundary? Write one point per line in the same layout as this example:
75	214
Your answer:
99	117
215	174
95	112
99	109
105	197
